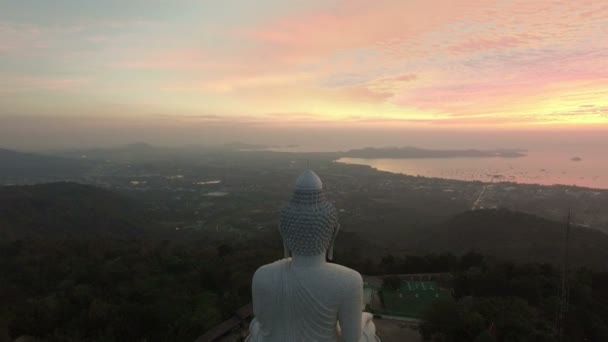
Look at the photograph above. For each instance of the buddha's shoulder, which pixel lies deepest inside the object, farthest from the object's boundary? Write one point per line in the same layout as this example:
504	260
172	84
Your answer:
272	267
346	277
345	272
268	270
338	273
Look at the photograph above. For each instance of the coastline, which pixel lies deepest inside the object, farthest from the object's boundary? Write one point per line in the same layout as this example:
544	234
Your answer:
388	165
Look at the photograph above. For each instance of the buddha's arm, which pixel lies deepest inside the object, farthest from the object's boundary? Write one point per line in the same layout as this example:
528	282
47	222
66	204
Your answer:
350	312
255	295
259	290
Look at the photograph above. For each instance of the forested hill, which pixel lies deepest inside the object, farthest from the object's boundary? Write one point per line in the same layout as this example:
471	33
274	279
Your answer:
518	237
15	164
58	210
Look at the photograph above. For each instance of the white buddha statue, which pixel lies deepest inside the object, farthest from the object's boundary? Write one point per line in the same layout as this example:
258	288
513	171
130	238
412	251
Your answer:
303	297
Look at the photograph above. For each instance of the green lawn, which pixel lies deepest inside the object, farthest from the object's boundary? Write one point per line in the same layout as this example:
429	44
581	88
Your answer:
412	298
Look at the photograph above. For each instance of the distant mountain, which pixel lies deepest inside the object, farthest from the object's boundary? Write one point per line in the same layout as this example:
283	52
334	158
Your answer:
518	237
414	152
66	210
15	164
239	145
144	152
138	151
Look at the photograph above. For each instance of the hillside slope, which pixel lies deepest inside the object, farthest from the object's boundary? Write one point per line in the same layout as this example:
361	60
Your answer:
66	210
518	237
15	164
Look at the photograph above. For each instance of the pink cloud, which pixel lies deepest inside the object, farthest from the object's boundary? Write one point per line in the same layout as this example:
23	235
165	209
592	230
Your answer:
24	84
21	37
181	59
402	78
480	44
362	94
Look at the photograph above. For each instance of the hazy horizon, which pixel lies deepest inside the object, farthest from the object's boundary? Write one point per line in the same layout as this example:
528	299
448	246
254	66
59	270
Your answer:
45	133
40	132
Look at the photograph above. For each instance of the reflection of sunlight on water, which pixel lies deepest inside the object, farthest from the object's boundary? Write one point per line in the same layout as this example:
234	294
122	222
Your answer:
216	194
209	182
546	168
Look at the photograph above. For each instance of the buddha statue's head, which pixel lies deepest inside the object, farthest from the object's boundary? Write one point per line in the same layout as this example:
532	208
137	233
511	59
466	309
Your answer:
309	223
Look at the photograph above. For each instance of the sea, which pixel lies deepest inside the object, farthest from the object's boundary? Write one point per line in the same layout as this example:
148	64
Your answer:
584	167
575	165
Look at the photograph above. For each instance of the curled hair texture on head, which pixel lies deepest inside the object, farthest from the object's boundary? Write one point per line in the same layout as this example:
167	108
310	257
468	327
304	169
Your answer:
309	223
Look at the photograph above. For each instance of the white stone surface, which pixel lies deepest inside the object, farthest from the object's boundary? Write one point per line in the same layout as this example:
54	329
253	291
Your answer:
309	223
309	180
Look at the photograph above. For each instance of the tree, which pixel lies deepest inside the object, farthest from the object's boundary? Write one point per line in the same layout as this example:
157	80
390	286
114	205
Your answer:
444	322
471	259
224	250
484	336
387	264
392	282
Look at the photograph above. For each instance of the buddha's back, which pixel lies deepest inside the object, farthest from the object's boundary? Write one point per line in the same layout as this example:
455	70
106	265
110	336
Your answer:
304	299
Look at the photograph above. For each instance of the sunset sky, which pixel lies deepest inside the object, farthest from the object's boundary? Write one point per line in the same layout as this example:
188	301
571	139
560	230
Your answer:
431	63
